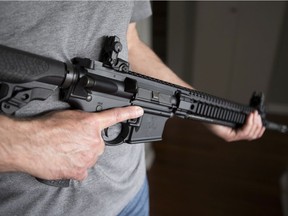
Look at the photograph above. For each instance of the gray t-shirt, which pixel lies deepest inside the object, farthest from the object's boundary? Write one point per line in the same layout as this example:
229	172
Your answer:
63	30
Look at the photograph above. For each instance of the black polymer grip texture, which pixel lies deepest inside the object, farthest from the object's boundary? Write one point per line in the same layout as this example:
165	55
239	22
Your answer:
55	183
17	66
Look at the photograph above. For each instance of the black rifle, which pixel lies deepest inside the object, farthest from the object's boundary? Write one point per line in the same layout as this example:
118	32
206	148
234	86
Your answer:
94	86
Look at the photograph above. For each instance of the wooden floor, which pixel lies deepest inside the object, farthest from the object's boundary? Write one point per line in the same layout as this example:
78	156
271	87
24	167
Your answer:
196	173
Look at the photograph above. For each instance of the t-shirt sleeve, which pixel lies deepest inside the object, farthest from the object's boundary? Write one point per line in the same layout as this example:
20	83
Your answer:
141	10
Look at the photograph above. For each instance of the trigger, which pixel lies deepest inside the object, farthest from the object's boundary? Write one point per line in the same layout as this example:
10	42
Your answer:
135	122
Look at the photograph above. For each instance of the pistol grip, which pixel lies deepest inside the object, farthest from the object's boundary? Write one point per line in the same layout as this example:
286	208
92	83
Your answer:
55	183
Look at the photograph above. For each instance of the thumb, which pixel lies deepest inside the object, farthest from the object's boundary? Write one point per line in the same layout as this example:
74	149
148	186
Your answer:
110	117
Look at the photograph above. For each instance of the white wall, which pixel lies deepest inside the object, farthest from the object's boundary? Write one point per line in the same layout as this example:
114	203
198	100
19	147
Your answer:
225	48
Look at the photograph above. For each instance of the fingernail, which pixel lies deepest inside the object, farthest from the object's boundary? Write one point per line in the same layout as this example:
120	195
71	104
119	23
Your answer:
139	111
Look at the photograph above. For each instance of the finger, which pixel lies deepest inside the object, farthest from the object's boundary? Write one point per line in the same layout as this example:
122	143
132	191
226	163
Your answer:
111	117
256	127
259	126
261	132
244	132
262	128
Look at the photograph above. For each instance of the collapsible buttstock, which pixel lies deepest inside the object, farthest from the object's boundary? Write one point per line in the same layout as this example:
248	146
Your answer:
17	66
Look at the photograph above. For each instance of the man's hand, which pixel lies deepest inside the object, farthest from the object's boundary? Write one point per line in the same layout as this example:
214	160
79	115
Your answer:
59	145
253	129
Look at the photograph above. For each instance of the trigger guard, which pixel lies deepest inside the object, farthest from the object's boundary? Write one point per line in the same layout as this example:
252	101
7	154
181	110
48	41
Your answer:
120	138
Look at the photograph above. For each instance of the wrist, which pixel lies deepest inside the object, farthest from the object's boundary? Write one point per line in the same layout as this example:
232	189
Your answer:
6	157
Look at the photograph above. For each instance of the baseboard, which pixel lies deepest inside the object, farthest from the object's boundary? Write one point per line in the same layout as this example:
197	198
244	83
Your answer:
279	109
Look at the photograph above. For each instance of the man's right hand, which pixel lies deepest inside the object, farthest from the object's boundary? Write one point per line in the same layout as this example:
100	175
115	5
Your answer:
59	145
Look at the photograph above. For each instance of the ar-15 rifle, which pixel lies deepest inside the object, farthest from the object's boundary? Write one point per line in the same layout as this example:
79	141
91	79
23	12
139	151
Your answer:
94	86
